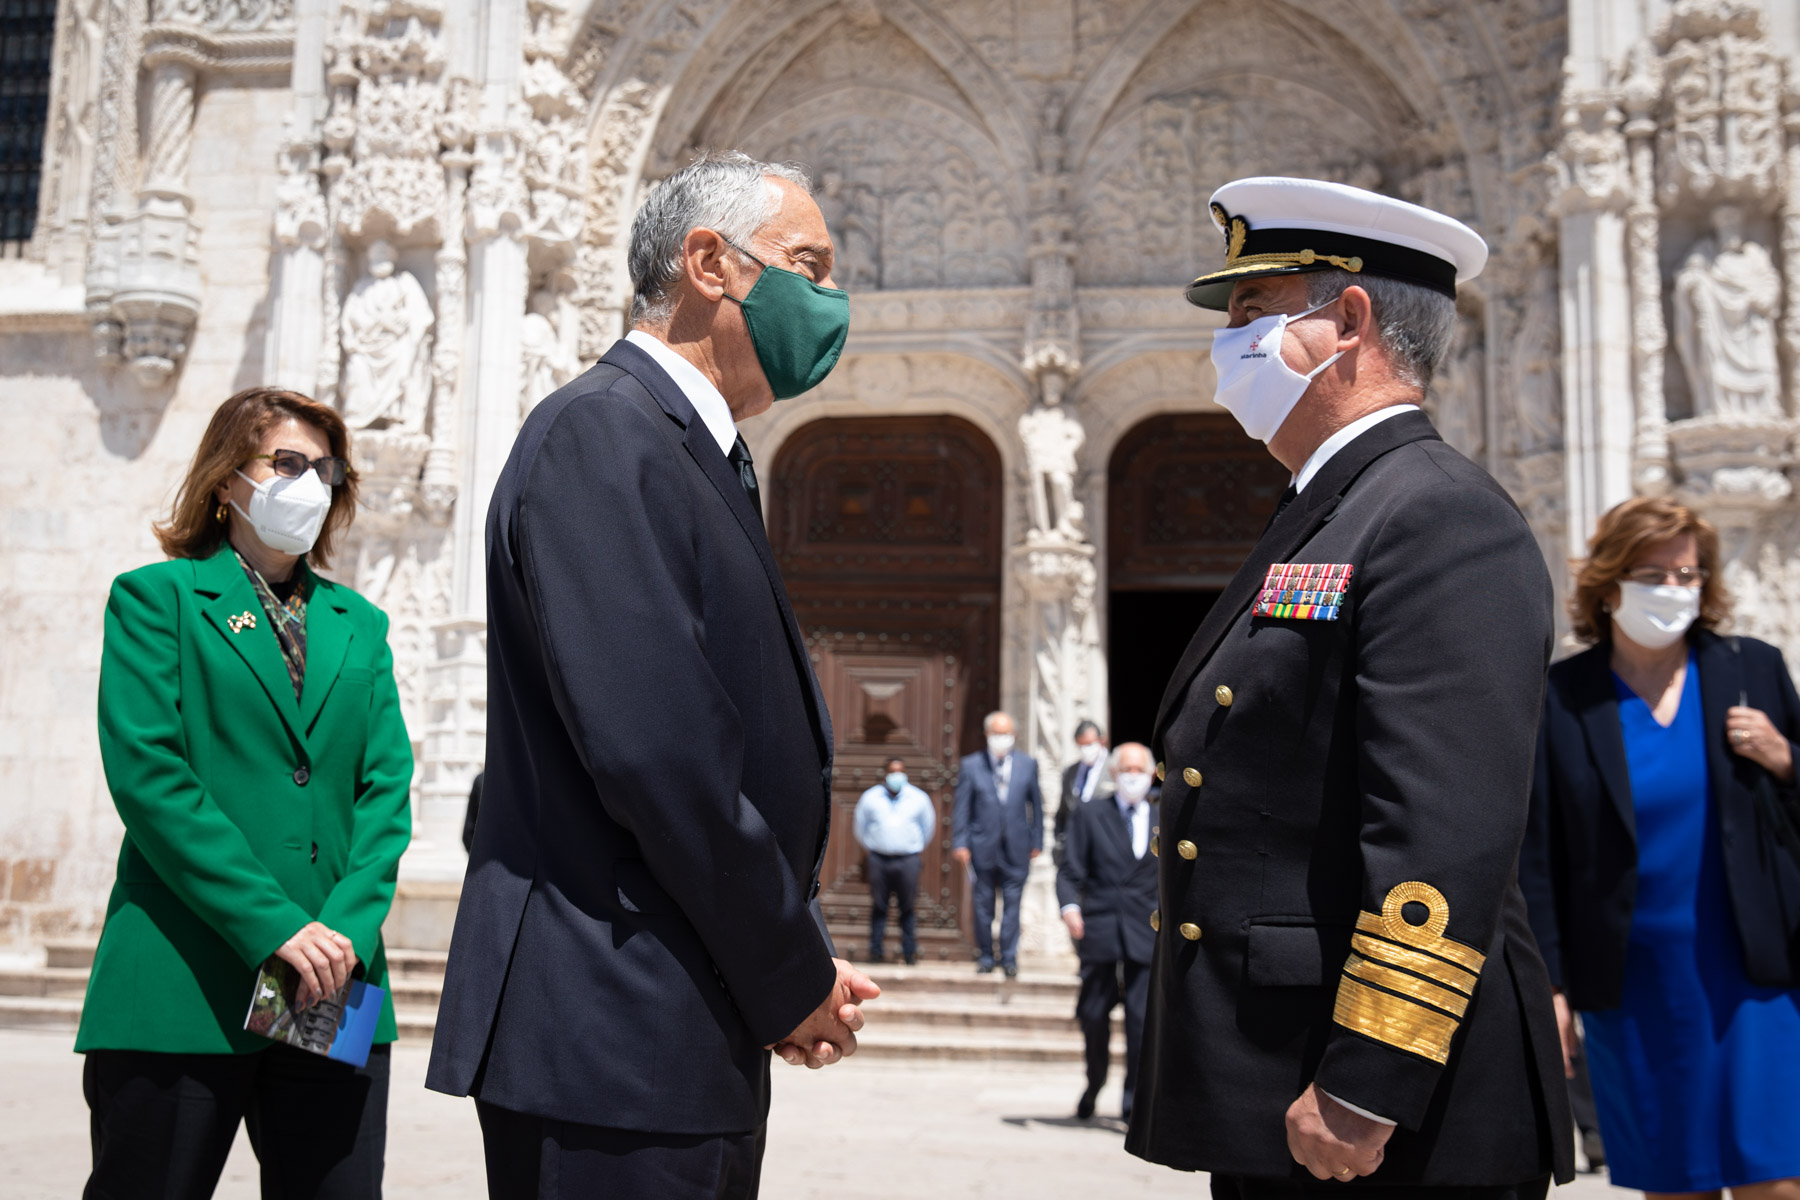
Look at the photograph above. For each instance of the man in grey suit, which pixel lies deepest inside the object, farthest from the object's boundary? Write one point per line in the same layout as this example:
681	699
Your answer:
997	828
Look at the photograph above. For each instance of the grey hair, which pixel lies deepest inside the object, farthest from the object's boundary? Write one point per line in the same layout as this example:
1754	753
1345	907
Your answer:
1089	727
723	192
1414	322
1113	759
987	722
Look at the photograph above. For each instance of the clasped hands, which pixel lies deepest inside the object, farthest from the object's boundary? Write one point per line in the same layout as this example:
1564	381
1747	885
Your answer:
1331	1141
324	959
829	1034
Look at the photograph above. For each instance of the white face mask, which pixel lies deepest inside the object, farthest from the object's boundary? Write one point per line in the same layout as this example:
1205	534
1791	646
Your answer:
1133	785
1655	617
1000	744
287	514
1092	753
1255	383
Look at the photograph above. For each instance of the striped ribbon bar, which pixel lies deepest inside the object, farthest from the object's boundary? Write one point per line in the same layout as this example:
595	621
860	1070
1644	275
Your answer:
1303	591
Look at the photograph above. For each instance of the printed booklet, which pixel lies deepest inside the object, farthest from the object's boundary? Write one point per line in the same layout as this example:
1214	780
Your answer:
339	1026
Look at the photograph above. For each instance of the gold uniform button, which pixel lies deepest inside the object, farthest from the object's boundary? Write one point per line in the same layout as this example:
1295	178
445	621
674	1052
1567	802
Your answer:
1155	852
1156	920
1190	931
1162	771
1223	695
1187	849
1191	777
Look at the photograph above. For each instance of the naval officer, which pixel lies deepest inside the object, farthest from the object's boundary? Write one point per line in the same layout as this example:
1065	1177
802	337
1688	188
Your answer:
1344	983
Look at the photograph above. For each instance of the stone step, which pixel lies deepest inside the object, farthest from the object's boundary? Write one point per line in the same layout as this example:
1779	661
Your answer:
75	954
61	982
40	1012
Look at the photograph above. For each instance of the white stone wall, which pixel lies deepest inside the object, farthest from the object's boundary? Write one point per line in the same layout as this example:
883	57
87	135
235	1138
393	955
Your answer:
88	460
1017	188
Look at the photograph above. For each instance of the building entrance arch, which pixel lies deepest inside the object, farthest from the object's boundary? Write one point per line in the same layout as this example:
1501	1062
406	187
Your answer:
1187	496
888	533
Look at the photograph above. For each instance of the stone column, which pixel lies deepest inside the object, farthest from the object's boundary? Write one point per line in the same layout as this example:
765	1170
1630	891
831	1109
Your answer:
297	275
1790	240
1650	339
495	209
1599	410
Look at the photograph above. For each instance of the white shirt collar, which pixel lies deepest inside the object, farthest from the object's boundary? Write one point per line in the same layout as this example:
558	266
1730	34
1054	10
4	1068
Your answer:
1344	437
696	387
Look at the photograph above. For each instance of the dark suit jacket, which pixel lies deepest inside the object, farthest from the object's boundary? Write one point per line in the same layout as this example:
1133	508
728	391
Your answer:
999	837
1580	867
1070	802
1115	889
1363	766
638	918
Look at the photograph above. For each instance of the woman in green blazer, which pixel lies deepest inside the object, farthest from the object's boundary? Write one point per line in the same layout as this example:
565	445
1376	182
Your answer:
253	744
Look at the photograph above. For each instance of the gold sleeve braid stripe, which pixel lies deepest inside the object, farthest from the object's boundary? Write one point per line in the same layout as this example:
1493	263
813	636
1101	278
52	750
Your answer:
1419	964
1408	985
1452	1002
1403	1024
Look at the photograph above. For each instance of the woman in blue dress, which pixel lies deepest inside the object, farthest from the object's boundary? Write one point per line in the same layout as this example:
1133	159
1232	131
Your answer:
1662	866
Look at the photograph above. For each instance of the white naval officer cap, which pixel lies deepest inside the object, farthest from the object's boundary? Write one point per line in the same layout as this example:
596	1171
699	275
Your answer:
1276	225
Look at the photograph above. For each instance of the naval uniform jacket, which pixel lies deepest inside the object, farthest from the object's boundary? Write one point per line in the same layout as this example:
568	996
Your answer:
1355	792
247	813
1580	867
639	916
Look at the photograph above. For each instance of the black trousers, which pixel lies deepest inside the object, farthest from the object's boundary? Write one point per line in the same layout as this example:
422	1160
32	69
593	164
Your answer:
162	1124
1243	1187
1103	986
541	1158
1010	883
893	875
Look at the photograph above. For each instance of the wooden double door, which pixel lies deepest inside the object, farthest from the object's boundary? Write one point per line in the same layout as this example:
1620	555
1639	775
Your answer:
888	534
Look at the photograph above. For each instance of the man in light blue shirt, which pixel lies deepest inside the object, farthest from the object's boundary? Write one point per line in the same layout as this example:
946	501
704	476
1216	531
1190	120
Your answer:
894	820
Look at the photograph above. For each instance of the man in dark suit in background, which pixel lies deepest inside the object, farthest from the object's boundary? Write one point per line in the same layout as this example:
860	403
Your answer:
639	921
1107	889
997	828
1080	779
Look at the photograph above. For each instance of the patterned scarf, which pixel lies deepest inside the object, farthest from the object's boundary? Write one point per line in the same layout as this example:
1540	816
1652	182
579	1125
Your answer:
288	620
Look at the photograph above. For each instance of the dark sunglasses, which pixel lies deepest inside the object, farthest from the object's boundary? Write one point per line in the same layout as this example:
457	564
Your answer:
291	464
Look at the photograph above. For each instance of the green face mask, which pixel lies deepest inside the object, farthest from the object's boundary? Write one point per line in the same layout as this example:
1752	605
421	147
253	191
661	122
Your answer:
797	327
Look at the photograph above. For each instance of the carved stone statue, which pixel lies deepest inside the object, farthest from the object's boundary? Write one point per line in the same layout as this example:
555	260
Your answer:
853	231
1726	296
547	342
1051	438
387	354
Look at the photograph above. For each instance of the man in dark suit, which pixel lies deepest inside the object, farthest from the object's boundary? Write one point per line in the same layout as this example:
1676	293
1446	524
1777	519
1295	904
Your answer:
1079	781
1107	889
997	828
639	921
1345	983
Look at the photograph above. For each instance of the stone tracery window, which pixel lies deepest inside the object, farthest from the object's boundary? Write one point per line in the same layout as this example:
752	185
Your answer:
27	29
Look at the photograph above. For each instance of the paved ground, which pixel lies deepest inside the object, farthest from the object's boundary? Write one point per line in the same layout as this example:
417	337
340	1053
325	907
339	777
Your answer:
875	1130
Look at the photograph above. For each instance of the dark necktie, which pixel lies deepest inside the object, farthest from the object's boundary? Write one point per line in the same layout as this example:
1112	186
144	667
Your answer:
746	472
1081	778
1129	812
1287	497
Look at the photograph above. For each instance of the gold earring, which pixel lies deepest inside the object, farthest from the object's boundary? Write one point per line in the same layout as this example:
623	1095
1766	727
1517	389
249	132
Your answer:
222	514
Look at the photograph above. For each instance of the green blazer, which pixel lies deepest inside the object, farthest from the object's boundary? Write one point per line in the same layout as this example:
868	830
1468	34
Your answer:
246	814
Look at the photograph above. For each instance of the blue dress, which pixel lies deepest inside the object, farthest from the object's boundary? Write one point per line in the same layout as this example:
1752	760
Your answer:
1694	1073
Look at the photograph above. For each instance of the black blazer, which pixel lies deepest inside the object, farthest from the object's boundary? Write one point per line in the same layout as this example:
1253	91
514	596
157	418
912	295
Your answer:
1071	801
1580	867
998	836
1115	889
1359	762
638	919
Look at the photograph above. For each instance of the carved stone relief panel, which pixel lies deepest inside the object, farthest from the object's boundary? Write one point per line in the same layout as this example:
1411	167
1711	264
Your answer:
913	184
1236	93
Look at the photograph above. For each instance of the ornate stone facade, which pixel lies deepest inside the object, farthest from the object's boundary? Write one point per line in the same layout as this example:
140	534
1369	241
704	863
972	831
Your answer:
417	209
